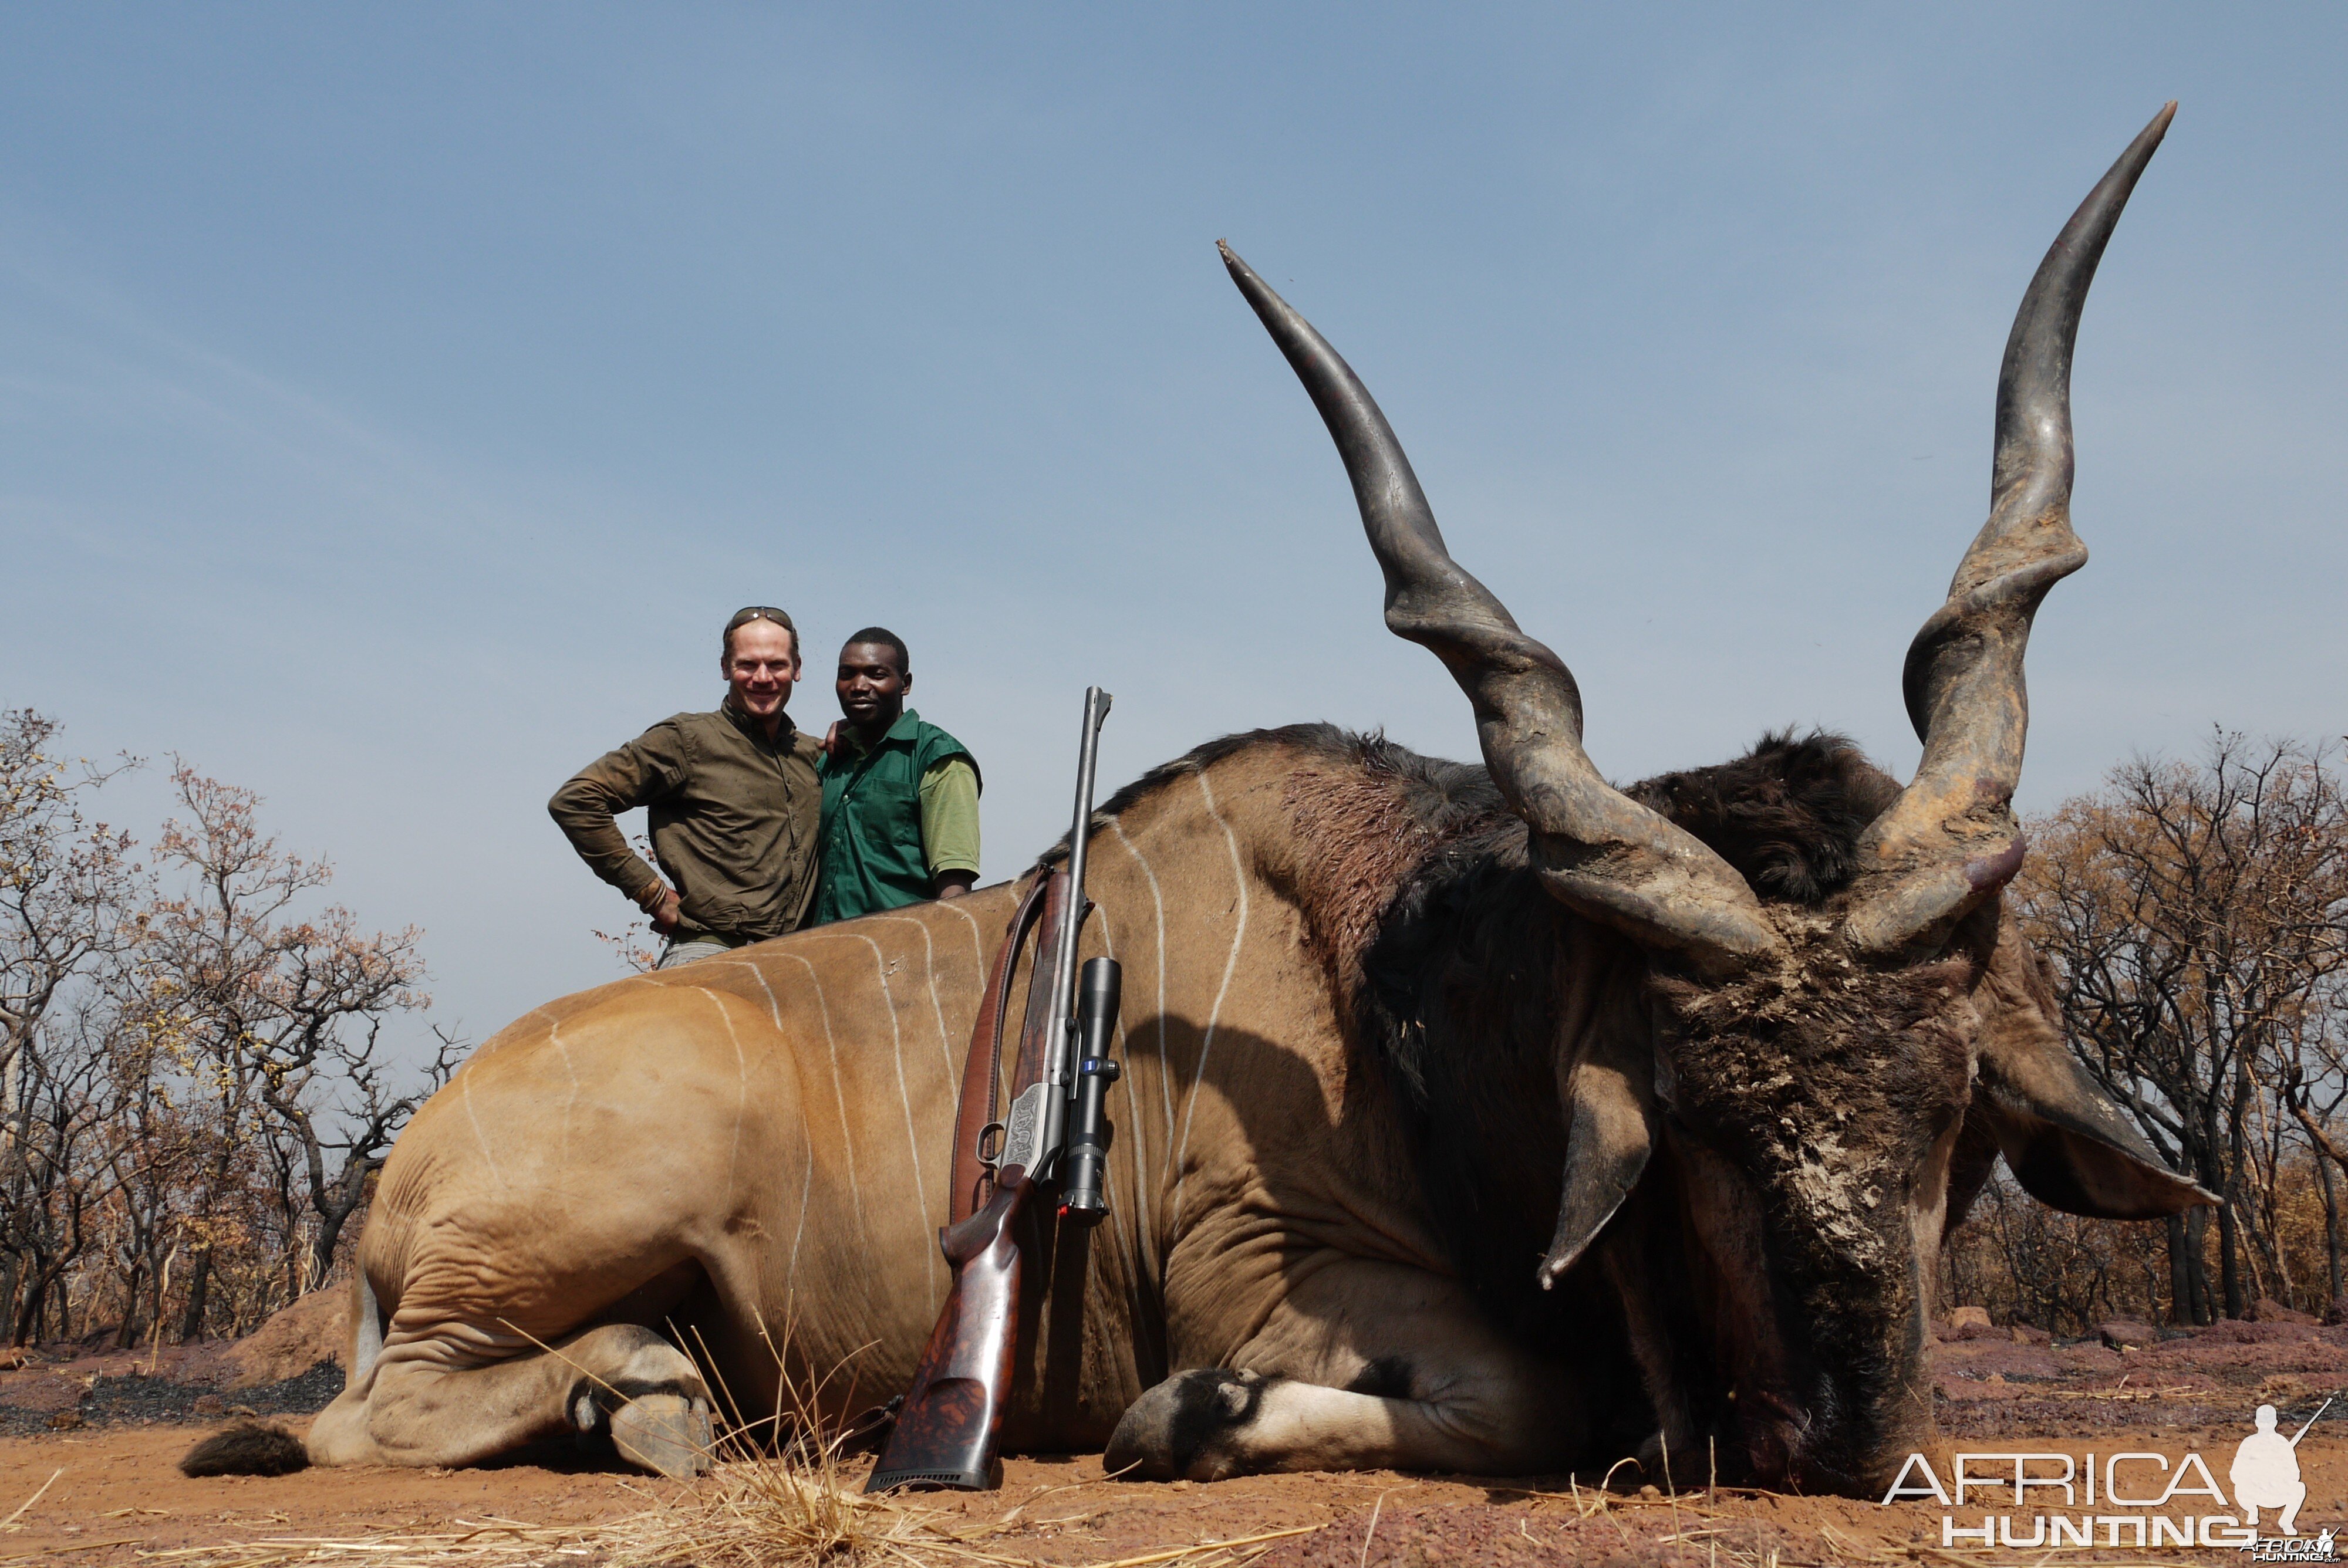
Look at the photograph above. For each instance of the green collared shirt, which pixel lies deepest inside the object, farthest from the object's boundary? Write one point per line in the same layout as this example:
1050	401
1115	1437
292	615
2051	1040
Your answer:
735	821
894	816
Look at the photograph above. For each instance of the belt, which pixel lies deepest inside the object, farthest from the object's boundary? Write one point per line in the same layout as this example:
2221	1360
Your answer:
684	938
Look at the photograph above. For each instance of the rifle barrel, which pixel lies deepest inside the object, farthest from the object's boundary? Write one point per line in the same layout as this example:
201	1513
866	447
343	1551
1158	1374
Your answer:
2311	1420
1061	1021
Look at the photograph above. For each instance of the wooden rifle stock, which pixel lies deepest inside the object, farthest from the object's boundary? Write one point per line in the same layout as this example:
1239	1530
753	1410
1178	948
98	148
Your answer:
945	1435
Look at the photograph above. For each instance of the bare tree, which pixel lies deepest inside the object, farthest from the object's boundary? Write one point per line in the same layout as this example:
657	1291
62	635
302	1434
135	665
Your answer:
2193	914
319	1070
196	1089
55	1192
68	888
69	895
155	1154
2058	1268
2311	1083
276	1021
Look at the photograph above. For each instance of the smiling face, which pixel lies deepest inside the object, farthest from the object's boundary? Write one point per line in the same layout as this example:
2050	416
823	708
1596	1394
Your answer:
871	684
761	666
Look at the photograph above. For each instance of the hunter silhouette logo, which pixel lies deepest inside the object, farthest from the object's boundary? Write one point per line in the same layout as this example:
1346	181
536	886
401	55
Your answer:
2266	1471
2141	1499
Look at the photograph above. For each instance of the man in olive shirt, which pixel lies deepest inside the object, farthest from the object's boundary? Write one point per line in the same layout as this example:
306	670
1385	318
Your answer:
900	794
735	804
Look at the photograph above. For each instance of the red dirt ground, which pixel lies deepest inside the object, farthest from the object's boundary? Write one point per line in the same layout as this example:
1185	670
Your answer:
117	1496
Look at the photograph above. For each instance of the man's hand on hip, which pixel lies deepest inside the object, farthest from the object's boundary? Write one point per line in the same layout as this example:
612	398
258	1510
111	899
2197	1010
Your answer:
665	909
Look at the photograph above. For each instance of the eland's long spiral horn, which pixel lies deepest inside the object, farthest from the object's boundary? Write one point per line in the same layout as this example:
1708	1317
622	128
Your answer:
1601	853
1950	838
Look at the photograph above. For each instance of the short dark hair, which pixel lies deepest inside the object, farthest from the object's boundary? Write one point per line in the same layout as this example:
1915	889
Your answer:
886	639
750	612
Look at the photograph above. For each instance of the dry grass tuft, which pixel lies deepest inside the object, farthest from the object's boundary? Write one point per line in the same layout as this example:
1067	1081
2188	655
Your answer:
778	1512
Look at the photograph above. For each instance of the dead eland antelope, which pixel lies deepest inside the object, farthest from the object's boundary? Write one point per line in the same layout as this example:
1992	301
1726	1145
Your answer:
1475	1119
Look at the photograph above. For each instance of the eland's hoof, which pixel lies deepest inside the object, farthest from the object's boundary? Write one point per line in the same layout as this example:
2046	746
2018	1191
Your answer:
1186	1428
665	1433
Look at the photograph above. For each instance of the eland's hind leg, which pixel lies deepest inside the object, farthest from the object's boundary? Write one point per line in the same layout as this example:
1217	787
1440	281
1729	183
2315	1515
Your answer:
442	1399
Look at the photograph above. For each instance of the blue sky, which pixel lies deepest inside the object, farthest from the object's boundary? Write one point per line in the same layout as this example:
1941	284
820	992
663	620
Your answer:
393	401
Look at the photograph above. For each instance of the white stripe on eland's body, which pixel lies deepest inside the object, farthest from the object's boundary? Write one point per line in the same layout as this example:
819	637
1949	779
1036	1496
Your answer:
1157	903
741	1089
977	937
930	961
1108	1167
497	1040
807	1182
554	1037
847	1139
1140	1154
806	1177
1230	964
773	1008
553	1023
466	1085
905	1097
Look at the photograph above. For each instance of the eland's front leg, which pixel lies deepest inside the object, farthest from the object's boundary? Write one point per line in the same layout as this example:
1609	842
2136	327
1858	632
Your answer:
1371	1366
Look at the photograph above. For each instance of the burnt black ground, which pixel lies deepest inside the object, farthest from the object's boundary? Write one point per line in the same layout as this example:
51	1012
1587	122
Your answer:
135	1400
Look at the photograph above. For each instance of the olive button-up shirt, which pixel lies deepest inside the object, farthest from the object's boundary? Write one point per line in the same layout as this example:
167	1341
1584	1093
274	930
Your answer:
735	817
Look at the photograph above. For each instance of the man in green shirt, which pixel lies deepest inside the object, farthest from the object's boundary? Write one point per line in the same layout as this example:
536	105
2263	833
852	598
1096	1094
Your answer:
900	794
734	799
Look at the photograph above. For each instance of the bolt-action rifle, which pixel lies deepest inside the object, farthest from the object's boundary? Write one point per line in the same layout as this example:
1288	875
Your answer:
1056	1135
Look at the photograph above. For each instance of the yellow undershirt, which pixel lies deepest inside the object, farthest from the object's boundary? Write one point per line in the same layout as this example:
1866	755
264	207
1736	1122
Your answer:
950	815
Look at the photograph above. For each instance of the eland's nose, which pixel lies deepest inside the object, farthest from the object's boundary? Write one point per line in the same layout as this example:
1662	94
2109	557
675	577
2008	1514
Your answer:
1861	1431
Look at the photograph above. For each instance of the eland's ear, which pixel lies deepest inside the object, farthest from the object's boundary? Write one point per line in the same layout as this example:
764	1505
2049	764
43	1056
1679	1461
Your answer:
2073	1152
2067	1142
1609	1092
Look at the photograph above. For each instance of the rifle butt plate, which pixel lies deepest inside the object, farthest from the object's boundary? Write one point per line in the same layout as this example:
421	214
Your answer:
987	1480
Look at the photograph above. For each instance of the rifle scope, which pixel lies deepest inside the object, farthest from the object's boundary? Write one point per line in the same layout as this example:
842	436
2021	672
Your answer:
1086	1160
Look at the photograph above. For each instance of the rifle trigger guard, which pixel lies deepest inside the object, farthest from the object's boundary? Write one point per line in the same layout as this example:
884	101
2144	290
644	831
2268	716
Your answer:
990	1154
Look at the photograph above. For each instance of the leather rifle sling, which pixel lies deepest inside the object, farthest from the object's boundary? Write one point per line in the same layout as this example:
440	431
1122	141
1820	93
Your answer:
973	1182
1035	1042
